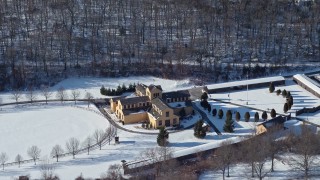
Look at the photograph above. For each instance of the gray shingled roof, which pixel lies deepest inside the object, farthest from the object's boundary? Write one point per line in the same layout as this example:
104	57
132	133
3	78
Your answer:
141	88
176	94
134	100
159	103
152	86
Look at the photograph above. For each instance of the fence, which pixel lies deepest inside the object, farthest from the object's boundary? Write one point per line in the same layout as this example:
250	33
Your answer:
307	110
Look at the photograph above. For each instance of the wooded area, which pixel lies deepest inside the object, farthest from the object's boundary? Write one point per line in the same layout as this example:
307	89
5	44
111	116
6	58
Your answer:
42	42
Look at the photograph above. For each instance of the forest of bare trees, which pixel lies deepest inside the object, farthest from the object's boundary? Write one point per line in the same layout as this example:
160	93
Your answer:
61	38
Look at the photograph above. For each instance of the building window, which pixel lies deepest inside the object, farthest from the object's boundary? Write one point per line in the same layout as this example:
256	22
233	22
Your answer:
167	114
160	123
124	106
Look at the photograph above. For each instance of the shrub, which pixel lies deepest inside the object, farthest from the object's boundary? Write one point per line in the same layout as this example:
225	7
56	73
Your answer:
285	107
214	112
278	92
247	116
284	93
238	116
271	87
220	113
264	115
256	117
273	113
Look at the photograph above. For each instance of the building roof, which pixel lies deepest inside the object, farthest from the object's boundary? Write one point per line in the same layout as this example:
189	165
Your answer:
176	94
134	100
135	110
308	82
152	86
159	103
273	122
116	98
141	88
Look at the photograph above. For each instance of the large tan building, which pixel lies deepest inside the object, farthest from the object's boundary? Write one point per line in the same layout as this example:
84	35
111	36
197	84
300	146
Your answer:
152	106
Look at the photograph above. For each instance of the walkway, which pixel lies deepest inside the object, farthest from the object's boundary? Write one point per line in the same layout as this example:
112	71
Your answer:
205	118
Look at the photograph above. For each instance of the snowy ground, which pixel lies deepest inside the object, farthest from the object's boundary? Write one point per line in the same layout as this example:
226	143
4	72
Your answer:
45	125
262	99
93	85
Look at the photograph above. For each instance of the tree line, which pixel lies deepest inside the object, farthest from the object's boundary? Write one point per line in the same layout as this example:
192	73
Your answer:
57	39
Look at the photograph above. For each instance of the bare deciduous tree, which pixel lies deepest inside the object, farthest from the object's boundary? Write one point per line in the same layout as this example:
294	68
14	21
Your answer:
16	95
61	94
224	156
305	147
57	151
75	95
99	136
18	159
3	159
31	95
88	97
47	170
34	153
72	146
88	143
46	93
114	172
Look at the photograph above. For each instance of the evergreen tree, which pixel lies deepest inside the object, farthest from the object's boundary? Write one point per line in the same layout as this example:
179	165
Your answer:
103	90
182	112
284	93
119	90
256	117
123	88
238	116
214	112
229	114
273	113
278	92
162	137
199	131
247	116
229	124
285	107
220	113
288	94
204	96
209	108
264	115
271	87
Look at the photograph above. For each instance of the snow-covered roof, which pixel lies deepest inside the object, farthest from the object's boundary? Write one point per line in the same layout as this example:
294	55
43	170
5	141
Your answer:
245	82
308	82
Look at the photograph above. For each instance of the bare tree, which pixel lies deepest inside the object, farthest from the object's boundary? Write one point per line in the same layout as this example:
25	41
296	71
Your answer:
261	156
160	157
34	153
61	94
46	93
224	157
57	151
31	94
72	146
75	94
99	136
18	159
88	97
88	143
114	172
47	170
110	132
3	159
16	95
305	147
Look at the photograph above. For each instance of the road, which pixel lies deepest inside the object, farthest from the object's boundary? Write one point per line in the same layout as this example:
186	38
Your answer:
205	118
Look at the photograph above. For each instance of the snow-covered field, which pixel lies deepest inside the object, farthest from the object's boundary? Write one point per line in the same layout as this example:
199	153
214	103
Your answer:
43	125
93	85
